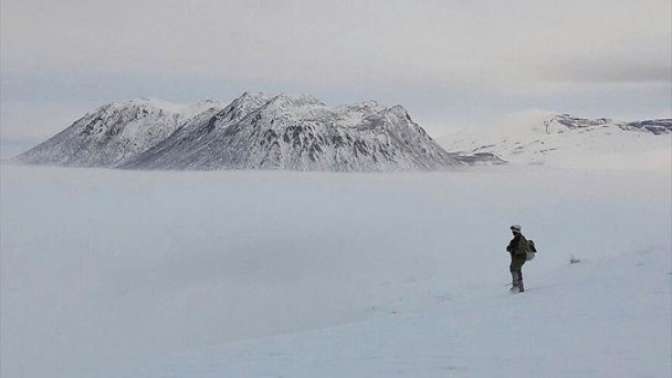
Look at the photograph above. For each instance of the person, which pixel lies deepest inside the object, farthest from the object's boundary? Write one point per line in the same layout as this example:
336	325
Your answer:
518	248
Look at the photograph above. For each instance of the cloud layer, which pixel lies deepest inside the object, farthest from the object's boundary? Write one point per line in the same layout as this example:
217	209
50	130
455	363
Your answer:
334	49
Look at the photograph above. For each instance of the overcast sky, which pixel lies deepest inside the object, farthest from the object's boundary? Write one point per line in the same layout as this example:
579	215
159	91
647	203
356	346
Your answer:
453	64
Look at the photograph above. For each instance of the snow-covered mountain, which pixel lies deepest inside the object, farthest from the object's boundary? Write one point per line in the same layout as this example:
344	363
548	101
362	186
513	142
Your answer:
254	131
299	133
562	140
114	133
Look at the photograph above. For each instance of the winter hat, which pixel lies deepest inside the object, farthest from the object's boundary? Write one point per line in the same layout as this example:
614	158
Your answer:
516	227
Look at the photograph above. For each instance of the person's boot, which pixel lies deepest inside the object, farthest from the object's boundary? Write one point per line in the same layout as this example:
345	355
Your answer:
521	287
514	282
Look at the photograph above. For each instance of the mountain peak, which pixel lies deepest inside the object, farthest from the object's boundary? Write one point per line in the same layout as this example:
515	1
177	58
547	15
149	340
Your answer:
399	111
294	100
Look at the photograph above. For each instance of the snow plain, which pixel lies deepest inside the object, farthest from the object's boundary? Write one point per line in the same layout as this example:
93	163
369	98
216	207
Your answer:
109	273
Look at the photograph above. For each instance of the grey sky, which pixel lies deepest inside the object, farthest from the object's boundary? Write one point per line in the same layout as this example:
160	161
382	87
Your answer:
451	63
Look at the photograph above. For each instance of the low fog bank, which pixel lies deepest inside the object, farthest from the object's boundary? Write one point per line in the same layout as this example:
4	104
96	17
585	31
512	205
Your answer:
101	267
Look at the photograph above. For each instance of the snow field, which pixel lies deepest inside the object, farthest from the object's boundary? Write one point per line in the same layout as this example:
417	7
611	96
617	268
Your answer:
258	273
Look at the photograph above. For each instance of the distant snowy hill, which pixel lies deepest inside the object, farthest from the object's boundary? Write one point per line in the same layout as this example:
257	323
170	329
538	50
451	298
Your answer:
562	140
113	133
254	131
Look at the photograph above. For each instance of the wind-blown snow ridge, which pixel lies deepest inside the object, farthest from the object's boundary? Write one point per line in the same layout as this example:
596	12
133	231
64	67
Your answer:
254	131
566	141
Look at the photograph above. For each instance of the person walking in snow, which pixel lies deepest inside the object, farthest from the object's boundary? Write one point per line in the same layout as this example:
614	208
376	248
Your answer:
518	248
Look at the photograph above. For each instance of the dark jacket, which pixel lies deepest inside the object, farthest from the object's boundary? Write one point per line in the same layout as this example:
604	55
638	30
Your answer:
518	246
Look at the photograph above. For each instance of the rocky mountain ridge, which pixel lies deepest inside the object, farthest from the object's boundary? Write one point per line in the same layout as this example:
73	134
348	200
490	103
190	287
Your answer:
254	131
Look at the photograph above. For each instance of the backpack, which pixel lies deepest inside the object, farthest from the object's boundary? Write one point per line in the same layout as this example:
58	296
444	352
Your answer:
532	250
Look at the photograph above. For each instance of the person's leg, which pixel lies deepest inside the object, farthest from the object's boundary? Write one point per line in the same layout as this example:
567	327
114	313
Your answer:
514	275
521	287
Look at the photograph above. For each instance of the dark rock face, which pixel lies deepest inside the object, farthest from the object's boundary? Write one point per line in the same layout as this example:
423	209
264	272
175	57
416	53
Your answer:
655	126
568	122
486	158
571	122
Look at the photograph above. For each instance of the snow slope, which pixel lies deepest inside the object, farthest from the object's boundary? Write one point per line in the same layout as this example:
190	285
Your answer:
115	273
584	320
561	140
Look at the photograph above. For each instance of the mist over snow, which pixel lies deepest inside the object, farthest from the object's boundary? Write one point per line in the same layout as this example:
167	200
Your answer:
113	273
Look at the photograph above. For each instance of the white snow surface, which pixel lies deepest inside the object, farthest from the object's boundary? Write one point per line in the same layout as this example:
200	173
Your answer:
116	273
543	138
